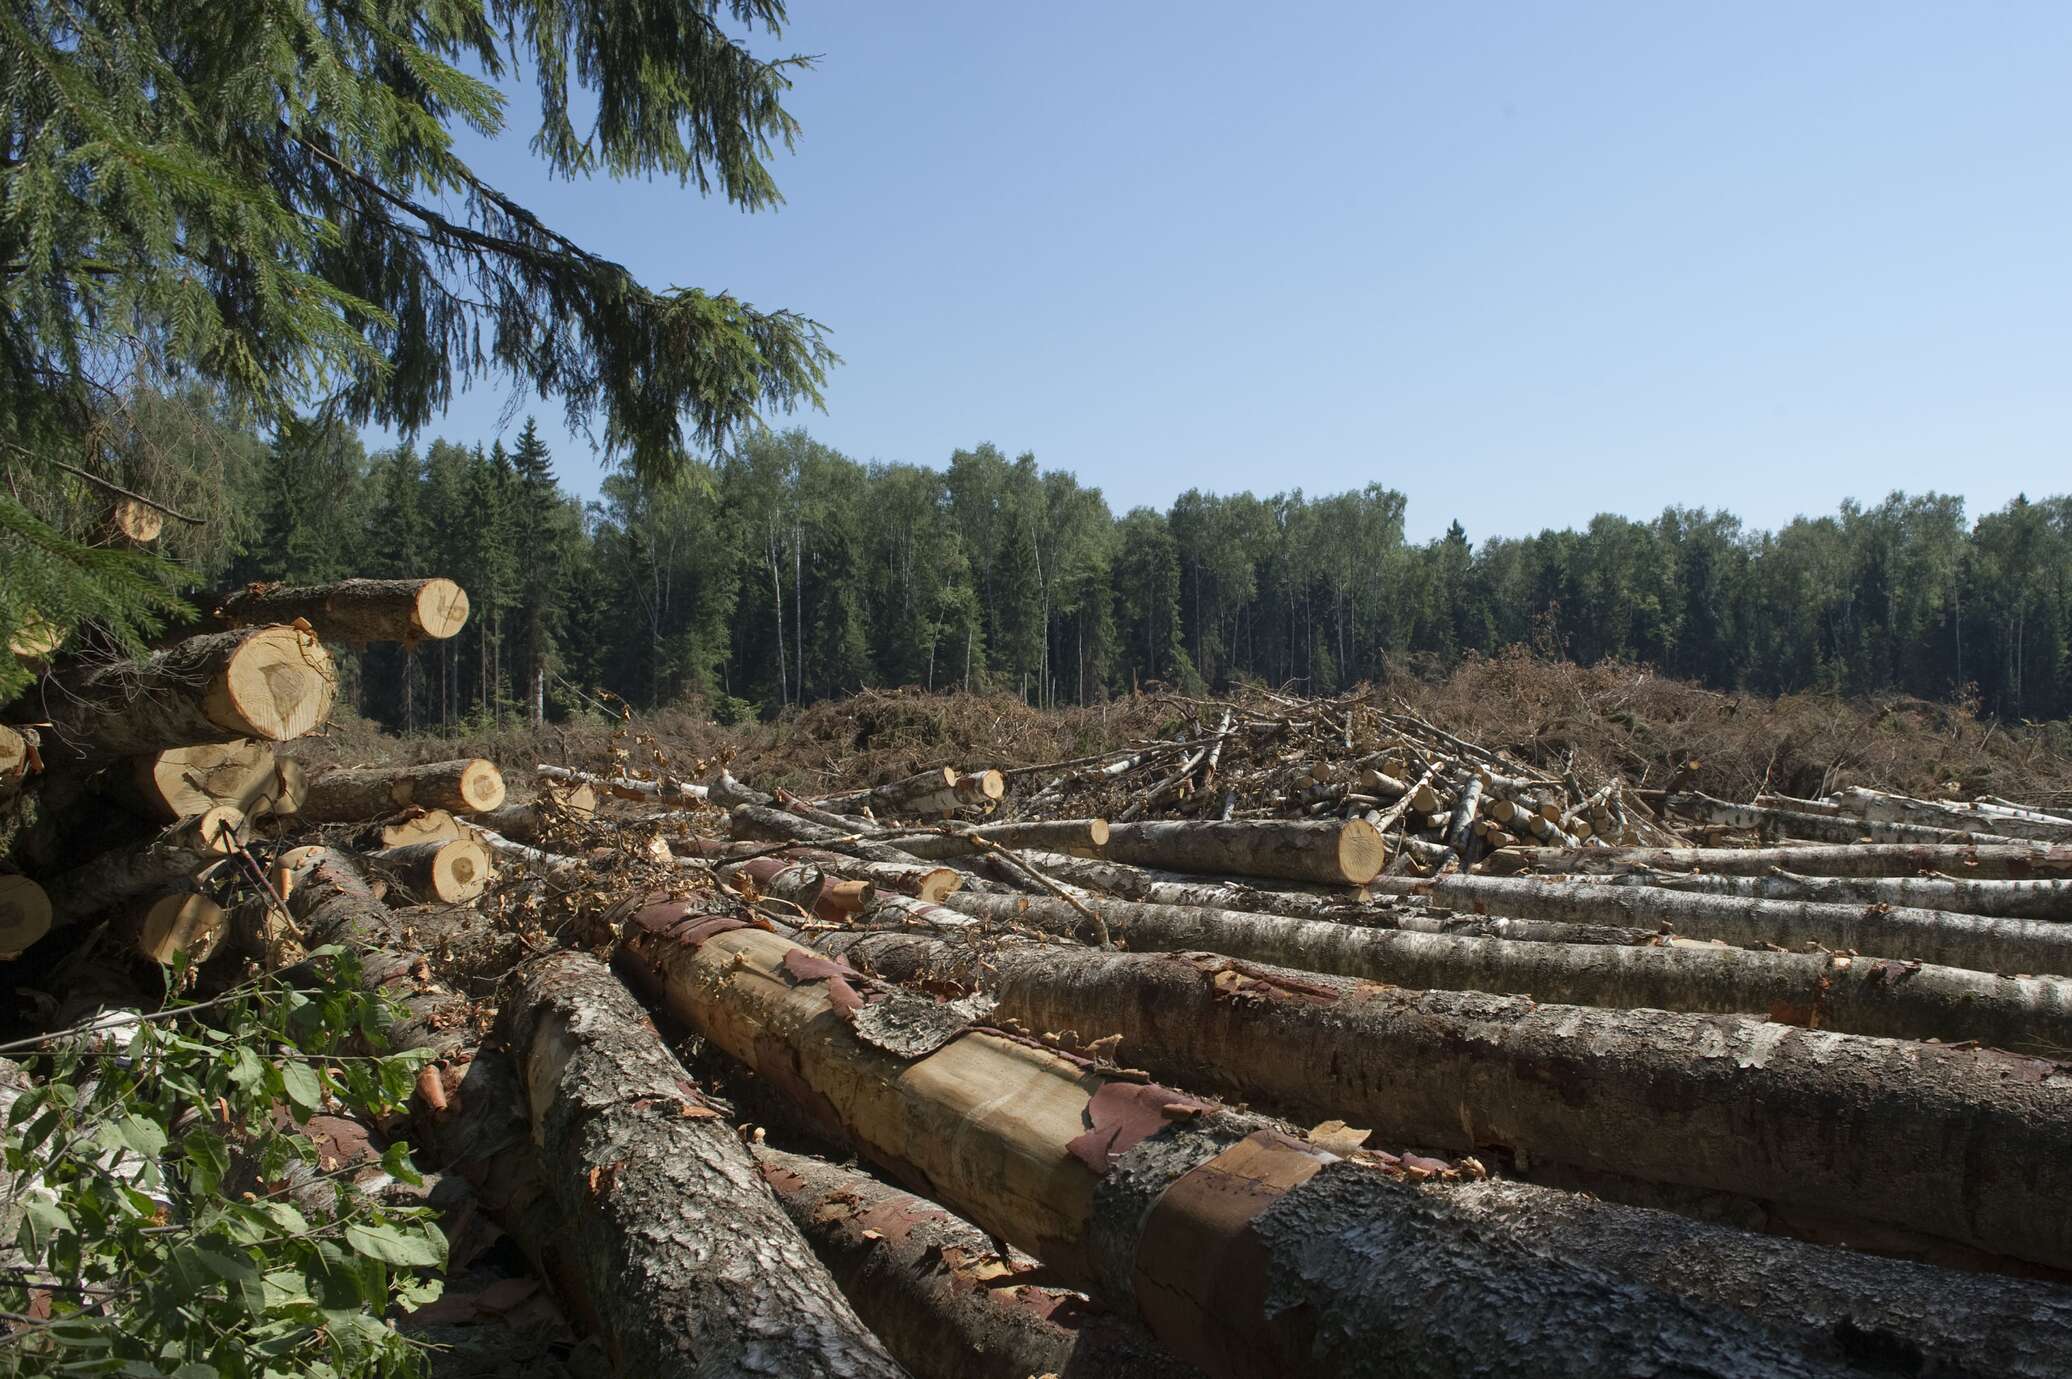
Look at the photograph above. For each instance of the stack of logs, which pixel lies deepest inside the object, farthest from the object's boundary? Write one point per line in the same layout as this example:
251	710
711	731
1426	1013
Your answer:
1309	1039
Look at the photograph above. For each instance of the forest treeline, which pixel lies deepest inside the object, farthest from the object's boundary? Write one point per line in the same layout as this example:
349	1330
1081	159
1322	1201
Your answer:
790	573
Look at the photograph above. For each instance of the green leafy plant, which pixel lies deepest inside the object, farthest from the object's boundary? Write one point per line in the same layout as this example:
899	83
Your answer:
147	1174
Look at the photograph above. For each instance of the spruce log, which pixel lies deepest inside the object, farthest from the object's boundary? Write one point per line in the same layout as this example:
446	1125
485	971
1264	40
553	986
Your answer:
182	922
1116	1185
690	1264
453	871
906	878
769	823
896	795
417	826
24	914
937	1291
139	523
1826	828
271	683
1348	853
1819	990
812	889
350	794
170	859
1898	809
2014	862
2006	899
980	789
183	781
568	780
1050	835
1979	942
17	758
1968	1144
356	610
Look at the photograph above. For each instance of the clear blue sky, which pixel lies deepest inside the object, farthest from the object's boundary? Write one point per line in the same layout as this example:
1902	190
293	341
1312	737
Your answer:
1524	262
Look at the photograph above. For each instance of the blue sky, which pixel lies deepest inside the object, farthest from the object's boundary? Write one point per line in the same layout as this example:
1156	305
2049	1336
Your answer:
1524	262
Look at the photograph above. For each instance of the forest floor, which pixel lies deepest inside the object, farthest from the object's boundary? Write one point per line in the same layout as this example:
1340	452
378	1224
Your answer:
1607	719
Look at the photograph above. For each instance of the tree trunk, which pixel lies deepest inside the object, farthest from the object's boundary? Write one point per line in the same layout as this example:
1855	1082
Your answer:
453	871
1968	1144
1348	853
351	794
1792	823
1818	990
905	878
2015	862
691	1266
937	1291
679	793
272	683
1190	1218
2004	899
1978	942
1972	818
1060	835
170	859
356	610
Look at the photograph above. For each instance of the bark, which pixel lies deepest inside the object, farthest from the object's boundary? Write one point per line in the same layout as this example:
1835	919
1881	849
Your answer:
678	793
1818	990
769	823
1978	942
271	683
691	1267
1460	824
172	858
1898	809
2014	862
356	610
998	1131
1791	823
350	794
1050	835
899	794
938	1292
1966	1144
24	915
2005	899
813	889
453	870
1346	853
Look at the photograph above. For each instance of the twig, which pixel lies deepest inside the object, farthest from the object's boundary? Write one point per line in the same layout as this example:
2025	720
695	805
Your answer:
110	485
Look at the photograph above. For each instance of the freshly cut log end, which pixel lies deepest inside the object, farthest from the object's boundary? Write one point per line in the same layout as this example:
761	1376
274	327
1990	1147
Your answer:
285	796
184	781
1347	853
348	794
418	826
579	798
35	637
278	685
216	830
16	759
454	871
139	522
356	610
287	866
24	915
175	924
981	789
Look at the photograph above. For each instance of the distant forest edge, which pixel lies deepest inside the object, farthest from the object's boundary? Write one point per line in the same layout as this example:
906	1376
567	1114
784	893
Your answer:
790	573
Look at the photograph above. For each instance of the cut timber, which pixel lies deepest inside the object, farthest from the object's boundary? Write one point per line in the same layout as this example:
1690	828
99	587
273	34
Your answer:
980	789
141	523
1972	818
17	758
35	637
769	823
272	683
173	924
183	781
454	871
24	914
622	787
909	878
1348	853
356	610
348	794
1972	1145
415	826
2010	862
1826	828
690	1266
2008	899
813	890
938	1292
1979	942
1852	995
1230	1241
1050	835
170	859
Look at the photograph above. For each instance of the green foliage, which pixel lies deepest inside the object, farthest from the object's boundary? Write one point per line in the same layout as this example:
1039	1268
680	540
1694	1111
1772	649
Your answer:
147	1163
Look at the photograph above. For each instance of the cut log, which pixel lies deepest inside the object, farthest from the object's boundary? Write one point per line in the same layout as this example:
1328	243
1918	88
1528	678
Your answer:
24	914
1972	818
349	794
417	826
980	789
182	922
1348	853
35	637
813	890
356	610
454	871
1979	942
1050	835
271	683
1971	1145
2007	899
905	878
18	758
183	781
938	1292
691	1267
769	823
570	781
1190	1218
2014	862
1826	828
171	859
141	523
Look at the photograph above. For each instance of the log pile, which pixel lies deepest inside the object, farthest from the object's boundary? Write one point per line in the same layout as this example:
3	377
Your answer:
1308	1038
